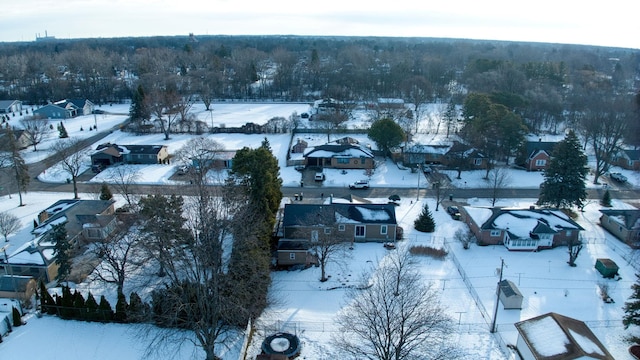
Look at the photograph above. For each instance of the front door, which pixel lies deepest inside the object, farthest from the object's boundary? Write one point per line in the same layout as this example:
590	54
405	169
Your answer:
360	231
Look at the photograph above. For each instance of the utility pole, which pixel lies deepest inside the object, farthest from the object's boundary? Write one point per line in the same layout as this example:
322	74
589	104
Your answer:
495	311
418	171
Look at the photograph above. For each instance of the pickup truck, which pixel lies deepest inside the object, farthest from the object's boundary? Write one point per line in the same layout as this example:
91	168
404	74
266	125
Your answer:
618	177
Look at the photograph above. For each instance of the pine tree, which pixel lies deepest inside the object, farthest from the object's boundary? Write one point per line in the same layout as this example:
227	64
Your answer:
47	304
79	309
104	310
564	179
121	309
425	222
137	311
632	307
66	303
91	307
17	318
606	199
62	250
62	131
105	192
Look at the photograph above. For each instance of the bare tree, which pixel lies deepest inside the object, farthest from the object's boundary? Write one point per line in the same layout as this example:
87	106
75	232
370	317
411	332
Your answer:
574	247
165	104
13	159
123	179
395	317
327	237
204	154
72	153
498	179
120	255
36	129
9	224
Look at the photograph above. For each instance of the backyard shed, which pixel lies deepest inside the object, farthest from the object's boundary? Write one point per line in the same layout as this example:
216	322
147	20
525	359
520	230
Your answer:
510	296
607	267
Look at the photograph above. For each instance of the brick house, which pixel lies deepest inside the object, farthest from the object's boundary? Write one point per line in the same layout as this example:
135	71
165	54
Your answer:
339	156
538	154
521	229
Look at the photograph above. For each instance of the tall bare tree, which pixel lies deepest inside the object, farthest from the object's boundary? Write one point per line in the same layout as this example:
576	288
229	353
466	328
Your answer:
395	317
204	154
498	179
13	159
9	224
123	179
36	129
120	255
73	156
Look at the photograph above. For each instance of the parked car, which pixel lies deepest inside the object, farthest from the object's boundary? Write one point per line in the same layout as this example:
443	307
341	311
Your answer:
304	115
360	184
97	168
183	169
300	167
319	176
454	212
618	177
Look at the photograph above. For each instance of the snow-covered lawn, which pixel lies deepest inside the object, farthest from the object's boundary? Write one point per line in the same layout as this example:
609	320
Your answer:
307	307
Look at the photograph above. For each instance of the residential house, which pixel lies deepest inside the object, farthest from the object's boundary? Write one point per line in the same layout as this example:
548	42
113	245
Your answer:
17	287
339	156
22	138
303	225
556	337
85	221
84	106
463	156
10	106
628	159
299	147
65	109
109	154
220	160
423	154
538	154
327	106
623	224
521	229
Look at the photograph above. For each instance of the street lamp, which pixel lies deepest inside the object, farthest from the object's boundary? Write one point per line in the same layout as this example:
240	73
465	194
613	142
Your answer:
418	193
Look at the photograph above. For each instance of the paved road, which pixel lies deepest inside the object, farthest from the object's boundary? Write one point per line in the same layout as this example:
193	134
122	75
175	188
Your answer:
309	191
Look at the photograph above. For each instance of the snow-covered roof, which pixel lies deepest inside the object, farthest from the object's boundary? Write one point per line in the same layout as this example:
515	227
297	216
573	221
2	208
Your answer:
520	222
554	336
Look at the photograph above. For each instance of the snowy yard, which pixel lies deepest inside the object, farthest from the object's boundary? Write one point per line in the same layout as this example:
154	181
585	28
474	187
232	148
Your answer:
307	307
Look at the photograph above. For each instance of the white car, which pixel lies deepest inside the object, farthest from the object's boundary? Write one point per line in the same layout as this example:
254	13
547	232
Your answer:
618	177
360	184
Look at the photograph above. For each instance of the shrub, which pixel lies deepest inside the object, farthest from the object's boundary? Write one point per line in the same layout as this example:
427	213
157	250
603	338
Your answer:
428	251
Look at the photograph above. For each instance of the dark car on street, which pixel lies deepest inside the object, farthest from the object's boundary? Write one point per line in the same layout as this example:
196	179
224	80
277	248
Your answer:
454	212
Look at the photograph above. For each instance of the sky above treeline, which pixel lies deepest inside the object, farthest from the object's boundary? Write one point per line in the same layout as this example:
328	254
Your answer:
611	23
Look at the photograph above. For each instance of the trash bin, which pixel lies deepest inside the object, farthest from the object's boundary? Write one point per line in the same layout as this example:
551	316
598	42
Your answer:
450	197
296	196
301	196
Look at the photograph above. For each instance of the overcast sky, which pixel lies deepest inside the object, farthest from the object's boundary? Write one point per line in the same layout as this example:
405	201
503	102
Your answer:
606	23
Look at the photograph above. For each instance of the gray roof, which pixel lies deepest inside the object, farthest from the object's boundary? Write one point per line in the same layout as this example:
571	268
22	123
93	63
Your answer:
303	214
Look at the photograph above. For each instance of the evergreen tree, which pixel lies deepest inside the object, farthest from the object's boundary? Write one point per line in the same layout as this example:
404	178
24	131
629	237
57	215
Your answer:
632	306
62	251
62	131
121	309
17	318
139	109
564	179
606	199
104	309
47	304
425	222
387	134
91	307
105	192
66	303
137	311
79	309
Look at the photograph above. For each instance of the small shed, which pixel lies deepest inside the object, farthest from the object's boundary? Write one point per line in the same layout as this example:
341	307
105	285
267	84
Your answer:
607	267
510	296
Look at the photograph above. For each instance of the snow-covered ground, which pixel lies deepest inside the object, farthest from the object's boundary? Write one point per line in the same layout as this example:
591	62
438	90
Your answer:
307	307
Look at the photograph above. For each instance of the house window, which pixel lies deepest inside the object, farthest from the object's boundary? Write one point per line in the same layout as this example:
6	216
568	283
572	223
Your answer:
541	162
568	232
383	229
360	230
477	162
327	231
342	160
314	235
292	256
495	232
341	227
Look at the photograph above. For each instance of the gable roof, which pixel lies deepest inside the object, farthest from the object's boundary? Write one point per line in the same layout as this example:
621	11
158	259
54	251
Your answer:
5	104
556	337
520	223
304	214
632	154
535	147
73	213
629	218
333	150
118	150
